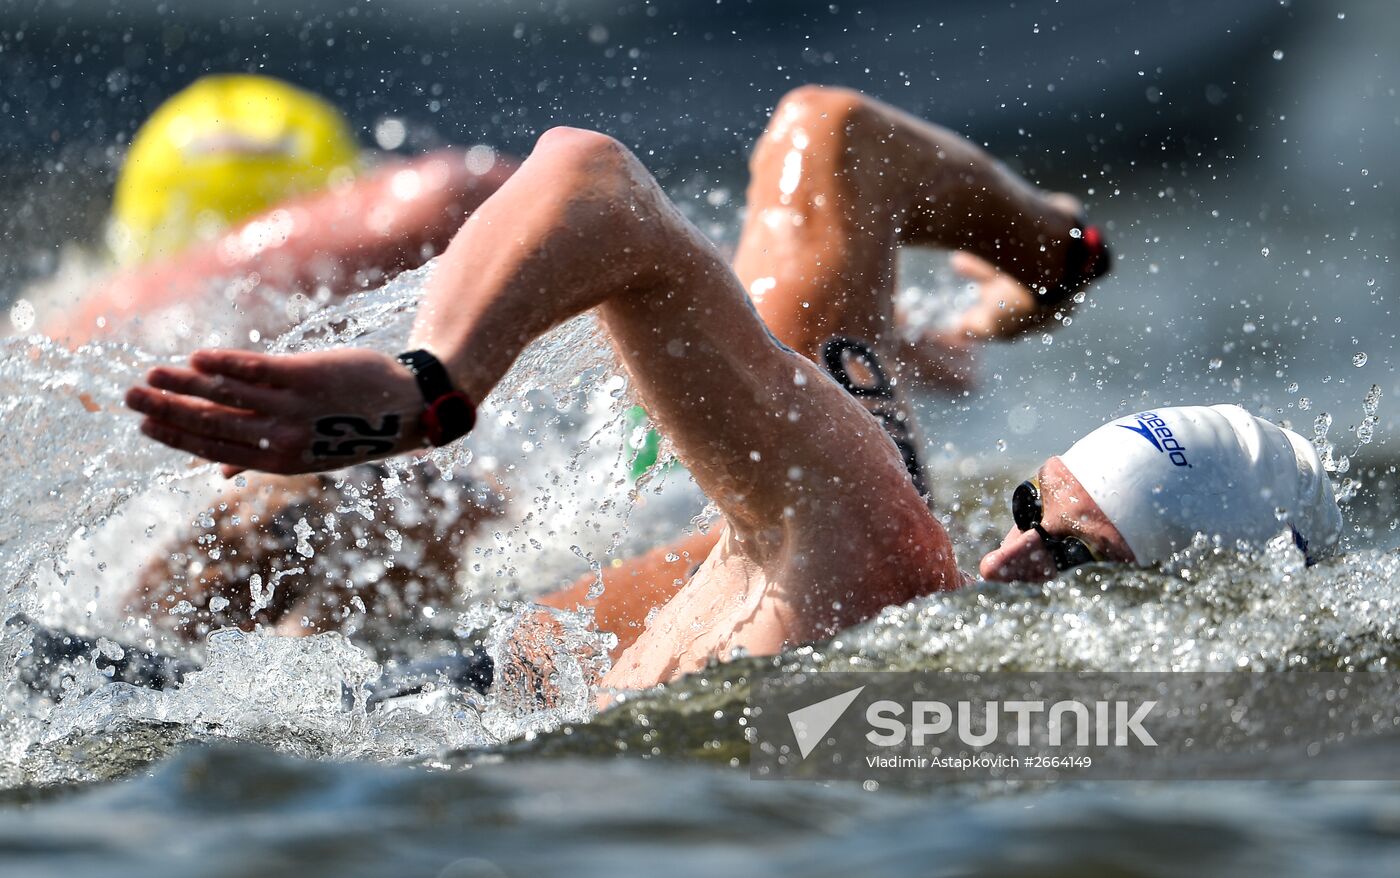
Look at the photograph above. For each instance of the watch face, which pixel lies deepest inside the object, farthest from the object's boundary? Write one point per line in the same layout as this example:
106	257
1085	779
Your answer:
450	417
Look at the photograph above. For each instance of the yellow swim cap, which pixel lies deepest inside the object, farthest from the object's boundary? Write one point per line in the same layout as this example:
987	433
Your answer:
223	149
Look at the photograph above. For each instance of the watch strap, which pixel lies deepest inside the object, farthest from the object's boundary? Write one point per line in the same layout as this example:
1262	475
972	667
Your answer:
448	413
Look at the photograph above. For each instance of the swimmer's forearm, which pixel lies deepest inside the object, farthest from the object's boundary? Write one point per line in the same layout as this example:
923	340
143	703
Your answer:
939	360
390	220
394	218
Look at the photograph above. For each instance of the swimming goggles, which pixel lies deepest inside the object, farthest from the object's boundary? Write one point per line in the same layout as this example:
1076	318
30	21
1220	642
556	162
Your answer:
1027	511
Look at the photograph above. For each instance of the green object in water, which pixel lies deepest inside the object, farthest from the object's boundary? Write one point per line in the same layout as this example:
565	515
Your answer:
645	442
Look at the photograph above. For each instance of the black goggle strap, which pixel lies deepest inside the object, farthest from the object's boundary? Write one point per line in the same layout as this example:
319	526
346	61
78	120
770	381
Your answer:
1028	510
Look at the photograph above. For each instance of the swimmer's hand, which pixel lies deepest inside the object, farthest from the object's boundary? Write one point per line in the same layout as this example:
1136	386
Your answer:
294	413
1005	307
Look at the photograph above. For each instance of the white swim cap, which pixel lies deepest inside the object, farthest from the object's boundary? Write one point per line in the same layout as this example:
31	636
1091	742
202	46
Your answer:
1164	476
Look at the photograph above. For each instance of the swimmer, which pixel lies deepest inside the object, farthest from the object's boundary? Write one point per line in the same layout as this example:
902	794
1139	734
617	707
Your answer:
248	181
823	526
818	260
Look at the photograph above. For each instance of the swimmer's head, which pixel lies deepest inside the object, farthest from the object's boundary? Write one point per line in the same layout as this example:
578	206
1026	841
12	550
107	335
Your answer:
223	149
1142	487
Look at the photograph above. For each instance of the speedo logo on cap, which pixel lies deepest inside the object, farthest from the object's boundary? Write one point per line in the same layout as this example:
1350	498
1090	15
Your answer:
1151	427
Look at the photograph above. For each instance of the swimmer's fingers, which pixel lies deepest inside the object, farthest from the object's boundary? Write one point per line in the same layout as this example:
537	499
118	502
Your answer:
202	418
237	457
248	366
972	266
217	388
1005	308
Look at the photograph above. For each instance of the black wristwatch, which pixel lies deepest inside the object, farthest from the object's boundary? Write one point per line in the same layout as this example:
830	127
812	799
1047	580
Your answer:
1087	258
449	413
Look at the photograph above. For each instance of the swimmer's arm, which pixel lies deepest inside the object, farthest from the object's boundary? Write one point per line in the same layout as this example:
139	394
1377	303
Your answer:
943	360
811	486
391	219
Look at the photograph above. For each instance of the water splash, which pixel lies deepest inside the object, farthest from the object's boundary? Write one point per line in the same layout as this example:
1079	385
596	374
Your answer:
546	466
548	463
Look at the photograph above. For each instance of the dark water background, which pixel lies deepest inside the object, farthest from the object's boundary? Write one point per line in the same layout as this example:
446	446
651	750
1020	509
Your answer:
1242	155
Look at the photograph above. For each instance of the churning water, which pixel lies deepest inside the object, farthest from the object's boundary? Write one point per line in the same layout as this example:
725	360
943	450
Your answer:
96	502
1261	274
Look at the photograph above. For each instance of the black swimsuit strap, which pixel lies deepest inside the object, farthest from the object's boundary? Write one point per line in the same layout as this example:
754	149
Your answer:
876	392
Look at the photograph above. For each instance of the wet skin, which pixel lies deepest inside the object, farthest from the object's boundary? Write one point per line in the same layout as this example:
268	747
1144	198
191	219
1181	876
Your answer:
1069	511
391	219
800	557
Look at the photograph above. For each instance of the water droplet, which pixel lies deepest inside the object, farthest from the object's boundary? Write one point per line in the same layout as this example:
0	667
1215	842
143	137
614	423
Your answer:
480	159
22	315
1278	54
390	133
303	532
1372	401
110	649
1359	360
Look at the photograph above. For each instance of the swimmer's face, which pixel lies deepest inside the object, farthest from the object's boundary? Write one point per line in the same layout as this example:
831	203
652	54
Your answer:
1069	512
